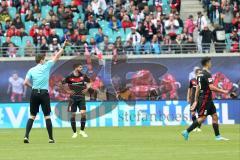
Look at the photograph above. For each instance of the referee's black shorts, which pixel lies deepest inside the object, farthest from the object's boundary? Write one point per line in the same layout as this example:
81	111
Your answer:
40	97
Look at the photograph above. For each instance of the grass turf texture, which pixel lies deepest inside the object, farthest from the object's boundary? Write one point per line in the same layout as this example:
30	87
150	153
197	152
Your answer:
127	143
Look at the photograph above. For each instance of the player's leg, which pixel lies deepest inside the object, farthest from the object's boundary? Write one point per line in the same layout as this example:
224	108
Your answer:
34	109
196	123
83	117
215	124
46	108
72	107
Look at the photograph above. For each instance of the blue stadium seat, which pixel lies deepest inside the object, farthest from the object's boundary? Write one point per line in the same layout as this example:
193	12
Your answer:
55	8
67	2
25	39
23	17
82	16
2	39
16	40
3	25
12	12
103	23
88	37
20	52
76	17
107	31
59	32
80	8
28	26
150	2
93	31
45	10
120	33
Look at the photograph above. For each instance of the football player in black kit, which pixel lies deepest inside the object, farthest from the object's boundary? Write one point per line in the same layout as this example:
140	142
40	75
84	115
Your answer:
191	97
77	87
203	99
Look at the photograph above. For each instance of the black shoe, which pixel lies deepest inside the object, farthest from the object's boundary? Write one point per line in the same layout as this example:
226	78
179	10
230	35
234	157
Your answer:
25	140
51	141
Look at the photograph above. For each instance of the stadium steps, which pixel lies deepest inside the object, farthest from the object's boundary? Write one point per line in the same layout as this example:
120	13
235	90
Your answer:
190	7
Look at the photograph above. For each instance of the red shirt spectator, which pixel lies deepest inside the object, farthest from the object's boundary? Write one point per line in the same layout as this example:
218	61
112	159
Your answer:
33	30
55	2
126	23
12	31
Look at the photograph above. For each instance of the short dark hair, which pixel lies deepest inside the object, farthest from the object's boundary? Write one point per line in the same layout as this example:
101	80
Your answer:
76	65
39	57
205	60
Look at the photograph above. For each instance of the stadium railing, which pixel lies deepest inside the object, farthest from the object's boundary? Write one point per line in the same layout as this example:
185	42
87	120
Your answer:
125	49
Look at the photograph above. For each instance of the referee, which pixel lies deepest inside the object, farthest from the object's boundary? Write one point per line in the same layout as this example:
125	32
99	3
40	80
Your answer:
38	79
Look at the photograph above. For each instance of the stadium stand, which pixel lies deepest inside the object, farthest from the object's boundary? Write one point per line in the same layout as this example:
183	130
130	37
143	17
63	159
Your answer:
160	23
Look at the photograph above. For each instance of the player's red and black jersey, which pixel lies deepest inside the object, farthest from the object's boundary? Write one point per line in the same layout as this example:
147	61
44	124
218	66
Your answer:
192	86
204	79
77	83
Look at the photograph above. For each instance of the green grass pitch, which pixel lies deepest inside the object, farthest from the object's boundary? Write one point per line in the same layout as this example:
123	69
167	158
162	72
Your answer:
126	143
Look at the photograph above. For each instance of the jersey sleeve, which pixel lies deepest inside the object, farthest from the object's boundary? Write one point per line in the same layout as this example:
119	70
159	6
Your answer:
29	75
65	80
209	78
49	64
190	84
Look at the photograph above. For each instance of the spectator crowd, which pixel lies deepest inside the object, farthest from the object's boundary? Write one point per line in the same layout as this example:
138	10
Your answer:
115	27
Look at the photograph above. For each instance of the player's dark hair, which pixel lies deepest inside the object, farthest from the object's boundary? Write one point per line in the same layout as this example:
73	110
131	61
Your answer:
205	60
76	65
39	57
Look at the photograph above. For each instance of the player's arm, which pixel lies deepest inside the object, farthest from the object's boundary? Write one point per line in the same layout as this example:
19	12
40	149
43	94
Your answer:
27	83
63	86
87	79
9	88
60	52
216	89
196	98
189	92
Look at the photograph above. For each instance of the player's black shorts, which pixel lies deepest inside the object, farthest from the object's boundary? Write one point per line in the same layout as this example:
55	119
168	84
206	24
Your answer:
75	103
206	107
40	97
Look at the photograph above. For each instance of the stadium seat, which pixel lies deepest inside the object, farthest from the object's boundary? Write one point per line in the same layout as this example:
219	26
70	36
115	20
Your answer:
28	26
25	39
23	17
80	8
93	31
120	33
59	32
150	2
2	39
67	2
20	52
107	31
103	23
12	12
45	10
88	37
55	8
16	40
3	25
76	17
82	16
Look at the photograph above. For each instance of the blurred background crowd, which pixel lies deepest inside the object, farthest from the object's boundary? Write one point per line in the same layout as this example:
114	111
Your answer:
28	27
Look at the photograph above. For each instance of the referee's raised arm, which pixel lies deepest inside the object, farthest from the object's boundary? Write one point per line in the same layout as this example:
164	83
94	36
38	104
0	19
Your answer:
56	57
